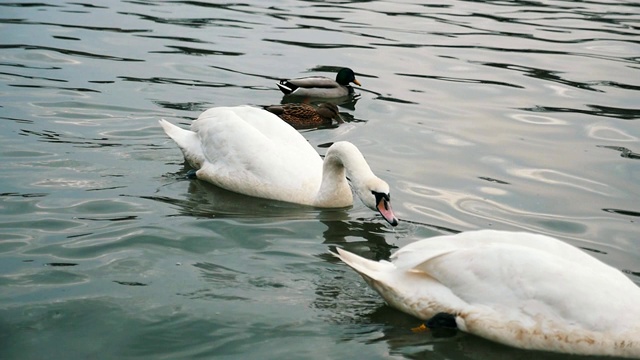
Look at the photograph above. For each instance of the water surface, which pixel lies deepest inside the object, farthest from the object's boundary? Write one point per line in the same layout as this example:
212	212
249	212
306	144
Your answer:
516	115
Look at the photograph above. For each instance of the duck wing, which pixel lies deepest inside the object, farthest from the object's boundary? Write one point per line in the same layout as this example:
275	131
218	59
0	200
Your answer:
312	82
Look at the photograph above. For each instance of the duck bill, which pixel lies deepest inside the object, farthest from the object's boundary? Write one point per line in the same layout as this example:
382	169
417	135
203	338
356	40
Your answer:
384	208
355	81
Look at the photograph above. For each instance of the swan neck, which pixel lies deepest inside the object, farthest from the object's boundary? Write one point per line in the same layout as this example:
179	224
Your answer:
343	160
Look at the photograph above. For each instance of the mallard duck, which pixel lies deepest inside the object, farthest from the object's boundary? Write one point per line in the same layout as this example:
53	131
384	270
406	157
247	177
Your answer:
305	116
253	152
320	86
520	289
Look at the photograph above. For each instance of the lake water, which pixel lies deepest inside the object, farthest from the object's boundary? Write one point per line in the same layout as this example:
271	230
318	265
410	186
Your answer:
518	115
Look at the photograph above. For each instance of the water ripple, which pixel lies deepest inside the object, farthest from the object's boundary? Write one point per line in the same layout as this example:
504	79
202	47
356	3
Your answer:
479	114
538	119
314	45
609	132
557	177
624	152
194	51
462	80
196	22
73	53
594	110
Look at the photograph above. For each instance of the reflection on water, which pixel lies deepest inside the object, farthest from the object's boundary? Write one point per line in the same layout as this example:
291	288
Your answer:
509	115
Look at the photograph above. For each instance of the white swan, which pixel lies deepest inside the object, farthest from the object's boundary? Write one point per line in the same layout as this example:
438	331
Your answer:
253	152
520	289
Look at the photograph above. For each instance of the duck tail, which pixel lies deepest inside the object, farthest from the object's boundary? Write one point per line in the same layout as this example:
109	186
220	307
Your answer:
286	87
369	269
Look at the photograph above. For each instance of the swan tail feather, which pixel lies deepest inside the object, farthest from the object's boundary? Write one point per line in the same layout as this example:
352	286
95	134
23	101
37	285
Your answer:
187	141
369	269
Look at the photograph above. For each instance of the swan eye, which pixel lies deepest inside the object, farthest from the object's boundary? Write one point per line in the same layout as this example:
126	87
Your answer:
382	197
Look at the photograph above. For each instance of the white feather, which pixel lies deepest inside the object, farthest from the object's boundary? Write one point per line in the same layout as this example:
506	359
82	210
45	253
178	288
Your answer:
524	290
253	152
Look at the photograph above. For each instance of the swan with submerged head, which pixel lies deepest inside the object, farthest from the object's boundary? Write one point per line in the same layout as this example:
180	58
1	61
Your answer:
520	289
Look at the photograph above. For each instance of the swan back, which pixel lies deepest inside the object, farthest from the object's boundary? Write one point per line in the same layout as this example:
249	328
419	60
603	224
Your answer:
252	152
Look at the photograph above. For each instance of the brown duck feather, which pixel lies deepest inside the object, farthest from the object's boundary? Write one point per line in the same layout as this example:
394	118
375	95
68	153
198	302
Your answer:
305	116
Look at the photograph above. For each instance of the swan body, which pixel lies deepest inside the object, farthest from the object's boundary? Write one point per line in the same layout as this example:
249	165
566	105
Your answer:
320	86
306	116
253	152
524	290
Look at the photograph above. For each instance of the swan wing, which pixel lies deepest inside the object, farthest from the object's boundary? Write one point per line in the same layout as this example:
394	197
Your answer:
414	292
252	152
529	298
525	281
422	250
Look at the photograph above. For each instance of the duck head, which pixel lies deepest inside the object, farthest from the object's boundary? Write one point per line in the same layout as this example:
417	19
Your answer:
346	76
328	112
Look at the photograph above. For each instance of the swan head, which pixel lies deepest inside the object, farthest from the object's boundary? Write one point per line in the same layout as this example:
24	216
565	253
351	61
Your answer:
375	195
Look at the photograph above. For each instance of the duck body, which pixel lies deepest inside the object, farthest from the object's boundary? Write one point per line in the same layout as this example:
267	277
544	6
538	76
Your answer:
523	290
306	116
253	152
320	86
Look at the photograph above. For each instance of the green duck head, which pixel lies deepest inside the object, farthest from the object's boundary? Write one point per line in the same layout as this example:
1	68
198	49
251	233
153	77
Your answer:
346	76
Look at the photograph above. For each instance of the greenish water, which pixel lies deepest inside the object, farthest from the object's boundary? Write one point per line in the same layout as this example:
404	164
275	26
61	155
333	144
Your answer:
506	115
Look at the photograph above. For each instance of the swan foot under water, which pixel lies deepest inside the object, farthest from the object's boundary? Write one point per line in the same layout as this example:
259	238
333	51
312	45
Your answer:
191	174
442	320
441	325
